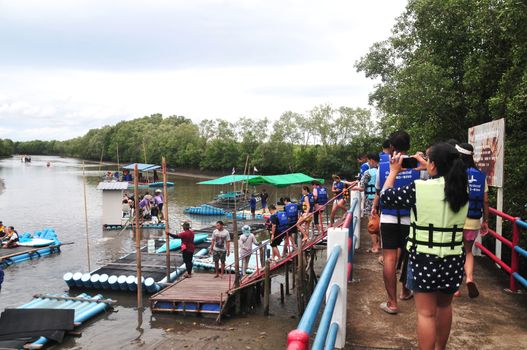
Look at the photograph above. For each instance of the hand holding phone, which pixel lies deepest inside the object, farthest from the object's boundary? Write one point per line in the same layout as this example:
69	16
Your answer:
410	163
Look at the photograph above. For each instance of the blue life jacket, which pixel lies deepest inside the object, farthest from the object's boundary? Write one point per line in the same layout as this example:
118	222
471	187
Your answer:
127	177
291	209
252	202
311	201
283	221
404	178
364	167
384	157
322	195
476	192
370	189
339	186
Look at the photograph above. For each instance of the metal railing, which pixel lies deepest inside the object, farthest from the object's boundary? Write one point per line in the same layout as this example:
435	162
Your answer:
514	245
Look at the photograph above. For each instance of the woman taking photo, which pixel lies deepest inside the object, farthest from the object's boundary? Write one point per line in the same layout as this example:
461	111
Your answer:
435	244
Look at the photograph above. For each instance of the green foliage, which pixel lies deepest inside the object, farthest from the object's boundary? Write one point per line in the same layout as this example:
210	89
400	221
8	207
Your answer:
321	142
450	65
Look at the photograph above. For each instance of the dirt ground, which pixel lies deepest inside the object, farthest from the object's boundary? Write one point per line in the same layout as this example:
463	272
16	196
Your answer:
494	320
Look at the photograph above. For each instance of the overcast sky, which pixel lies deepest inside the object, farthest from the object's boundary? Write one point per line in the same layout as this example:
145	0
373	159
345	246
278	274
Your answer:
68	66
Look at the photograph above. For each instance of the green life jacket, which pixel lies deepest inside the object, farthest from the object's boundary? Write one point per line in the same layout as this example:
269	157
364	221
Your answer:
435	228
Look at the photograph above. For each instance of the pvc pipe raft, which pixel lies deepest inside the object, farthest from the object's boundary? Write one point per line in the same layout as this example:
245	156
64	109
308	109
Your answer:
85	307
27	256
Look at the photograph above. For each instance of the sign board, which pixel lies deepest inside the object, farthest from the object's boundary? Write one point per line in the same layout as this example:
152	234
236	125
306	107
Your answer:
487	140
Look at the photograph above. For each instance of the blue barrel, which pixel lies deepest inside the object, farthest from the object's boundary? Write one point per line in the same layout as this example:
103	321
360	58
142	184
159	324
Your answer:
77	279
112	282
85	280
68	278
121	281
103	280
95	281
150	285
130	281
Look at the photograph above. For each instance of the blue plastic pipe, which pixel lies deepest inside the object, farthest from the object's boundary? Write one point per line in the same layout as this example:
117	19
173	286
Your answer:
325	320
332	336
130	282
94	280
175	274
310	314
85	280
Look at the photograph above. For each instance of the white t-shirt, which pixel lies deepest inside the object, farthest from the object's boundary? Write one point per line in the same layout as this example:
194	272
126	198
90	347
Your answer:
220	238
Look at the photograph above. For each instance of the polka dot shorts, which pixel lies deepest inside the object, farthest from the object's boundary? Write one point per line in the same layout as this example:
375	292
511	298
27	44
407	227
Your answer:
430	273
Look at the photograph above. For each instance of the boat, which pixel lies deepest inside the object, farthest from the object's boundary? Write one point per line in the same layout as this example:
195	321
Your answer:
145	180
176	243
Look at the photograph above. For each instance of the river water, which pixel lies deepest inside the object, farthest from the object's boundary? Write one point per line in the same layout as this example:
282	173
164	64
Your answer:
34	196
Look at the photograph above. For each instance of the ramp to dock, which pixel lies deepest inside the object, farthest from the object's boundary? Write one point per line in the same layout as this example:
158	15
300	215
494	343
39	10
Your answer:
200	294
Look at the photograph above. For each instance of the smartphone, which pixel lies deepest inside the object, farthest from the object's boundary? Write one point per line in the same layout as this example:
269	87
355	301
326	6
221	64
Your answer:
410	163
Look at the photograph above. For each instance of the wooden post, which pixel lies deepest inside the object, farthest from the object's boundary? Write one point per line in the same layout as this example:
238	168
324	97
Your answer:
300	287
287	278
138	239
86	216
281	293
295	264
165	216
118	165
267	287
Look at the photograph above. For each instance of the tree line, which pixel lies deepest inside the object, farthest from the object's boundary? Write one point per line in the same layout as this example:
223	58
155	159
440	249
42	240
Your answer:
323	141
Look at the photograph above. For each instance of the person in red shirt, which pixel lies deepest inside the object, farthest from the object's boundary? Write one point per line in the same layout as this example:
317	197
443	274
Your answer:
187	246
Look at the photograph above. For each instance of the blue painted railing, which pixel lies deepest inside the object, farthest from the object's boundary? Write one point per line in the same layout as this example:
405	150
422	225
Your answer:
298	339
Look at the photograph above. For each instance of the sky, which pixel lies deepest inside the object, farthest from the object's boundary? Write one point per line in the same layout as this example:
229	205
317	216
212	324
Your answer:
69	66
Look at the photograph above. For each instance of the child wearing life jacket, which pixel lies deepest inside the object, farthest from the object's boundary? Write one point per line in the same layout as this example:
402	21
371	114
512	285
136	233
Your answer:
478	213
10	240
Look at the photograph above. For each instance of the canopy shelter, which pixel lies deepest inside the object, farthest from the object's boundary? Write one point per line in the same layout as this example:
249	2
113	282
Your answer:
225	180
141	167
274	180
283	180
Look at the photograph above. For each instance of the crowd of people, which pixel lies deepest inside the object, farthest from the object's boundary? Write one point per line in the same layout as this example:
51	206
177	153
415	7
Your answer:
150	207
432	207
8	236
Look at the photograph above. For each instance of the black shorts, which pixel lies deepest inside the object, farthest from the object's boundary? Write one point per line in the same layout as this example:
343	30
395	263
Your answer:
394	236
317	217
279	238
292	229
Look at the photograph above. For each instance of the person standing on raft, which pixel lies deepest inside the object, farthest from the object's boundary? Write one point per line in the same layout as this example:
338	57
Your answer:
187	246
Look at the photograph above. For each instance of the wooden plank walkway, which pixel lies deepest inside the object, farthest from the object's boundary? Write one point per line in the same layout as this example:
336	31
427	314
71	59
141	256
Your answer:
200	294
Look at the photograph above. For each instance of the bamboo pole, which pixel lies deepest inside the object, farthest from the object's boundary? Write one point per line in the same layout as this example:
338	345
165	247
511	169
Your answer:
138	239
86	216
118	165
165	217
287	278
100	161
245	171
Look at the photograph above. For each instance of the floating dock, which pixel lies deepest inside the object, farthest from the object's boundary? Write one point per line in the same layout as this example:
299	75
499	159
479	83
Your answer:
107	227
201	294
120	275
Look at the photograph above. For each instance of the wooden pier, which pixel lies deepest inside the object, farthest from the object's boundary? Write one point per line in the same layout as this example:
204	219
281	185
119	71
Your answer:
201	294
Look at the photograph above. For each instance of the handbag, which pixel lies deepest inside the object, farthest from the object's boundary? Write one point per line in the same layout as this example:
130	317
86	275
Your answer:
374	224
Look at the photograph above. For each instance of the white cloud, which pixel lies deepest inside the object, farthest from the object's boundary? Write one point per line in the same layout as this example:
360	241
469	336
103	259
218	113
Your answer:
73	65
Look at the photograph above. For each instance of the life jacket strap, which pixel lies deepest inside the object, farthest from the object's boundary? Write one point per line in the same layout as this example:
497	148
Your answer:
431	229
